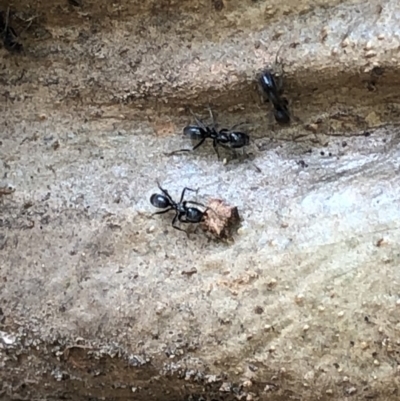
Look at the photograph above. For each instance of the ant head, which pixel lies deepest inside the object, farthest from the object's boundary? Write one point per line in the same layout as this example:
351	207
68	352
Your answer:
160	201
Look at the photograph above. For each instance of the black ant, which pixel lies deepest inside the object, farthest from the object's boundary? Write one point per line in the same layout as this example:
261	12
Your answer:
8	35
273	90
272	87
183	213
227	138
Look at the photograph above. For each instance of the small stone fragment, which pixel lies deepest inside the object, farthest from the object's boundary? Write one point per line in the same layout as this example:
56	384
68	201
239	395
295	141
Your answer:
6	190
220	219
312	127
225	388
299	299
370	54
368	45
351	390
345	42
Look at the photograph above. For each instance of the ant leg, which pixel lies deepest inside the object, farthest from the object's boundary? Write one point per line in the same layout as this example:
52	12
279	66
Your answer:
163	211
165	192
279	84
223	145
215	146
277	55
186	189
198	121
186	150
195	203
238	125
212	116
281	72
179	217
199	144
7	17
30	20
177	151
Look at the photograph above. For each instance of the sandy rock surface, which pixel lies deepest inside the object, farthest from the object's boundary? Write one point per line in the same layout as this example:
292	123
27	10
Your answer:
101	300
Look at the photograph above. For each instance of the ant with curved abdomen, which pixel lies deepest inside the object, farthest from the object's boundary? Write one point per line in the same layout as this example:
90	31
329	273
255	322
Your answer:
183	212
226	138
272	88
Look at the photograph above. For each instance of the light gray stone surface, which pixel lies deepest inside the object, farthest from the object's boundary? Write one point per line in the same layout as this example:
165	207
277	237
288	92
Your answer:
304	303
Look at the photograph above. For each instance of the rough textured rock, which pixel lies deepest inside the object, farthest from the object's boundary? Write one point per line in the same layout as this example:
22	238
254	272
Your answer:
100	300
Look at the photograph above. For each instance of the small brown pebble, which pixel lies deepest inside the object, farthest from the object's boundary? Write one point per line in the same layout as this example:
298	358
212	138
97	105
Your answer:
220	218
379	242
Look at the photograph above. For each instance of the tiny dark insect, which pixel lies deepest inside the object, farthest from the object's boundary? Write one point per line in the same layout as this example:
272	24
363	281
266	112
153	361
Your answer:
183	212
271	85
226	138
272	89
9	36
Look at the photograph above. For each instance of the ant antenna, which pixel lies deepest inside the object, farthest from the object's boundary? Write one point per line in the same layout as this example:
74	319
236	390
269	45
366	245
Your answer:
277	62
7	15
